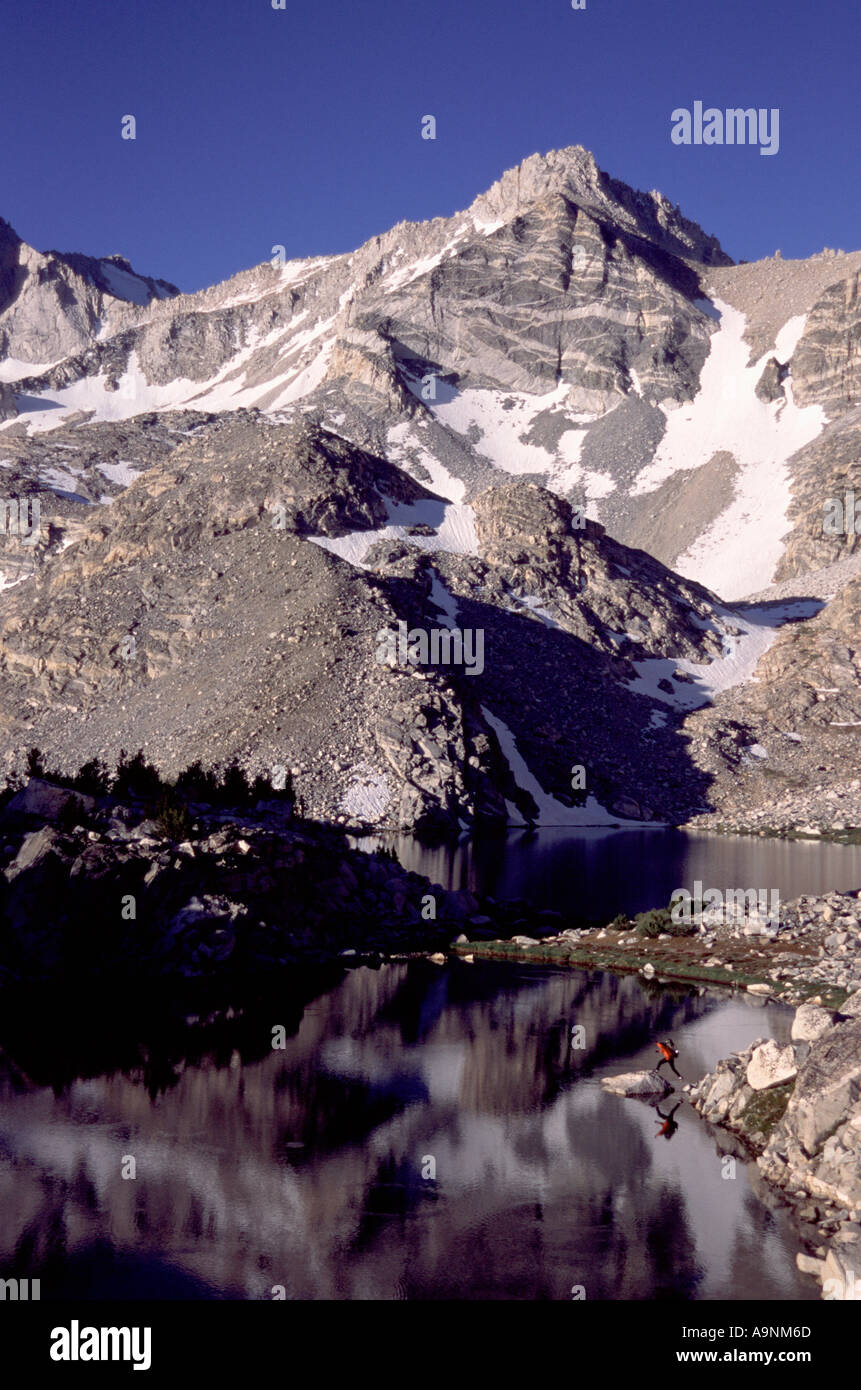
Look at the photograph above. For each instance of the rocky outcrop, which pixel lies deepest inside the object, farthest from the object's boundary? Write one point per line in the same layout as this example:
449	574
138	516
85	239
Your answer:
826	365
108	893
770	385
827	1093
543	553
824	473
805	1126
803	714
52	305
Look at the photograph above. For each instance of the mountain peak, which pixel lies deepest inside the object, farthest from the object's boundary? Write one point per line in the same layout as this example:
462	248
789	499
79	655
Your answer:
574	173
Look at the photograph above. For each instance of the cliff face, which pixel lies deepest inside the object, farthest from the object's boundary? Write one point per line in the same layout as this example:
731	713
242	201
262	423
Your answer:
52	305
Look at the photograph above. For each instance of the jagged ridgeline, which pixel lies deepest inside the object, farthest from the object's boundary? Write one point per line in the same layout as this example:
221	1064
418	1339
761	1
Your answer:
552	428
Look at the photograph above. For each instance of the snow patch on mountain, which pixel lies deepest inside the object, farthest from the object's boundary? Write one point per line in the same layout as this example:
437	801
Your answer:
453	525
740	550
550	811
789	337
497	426
409	453
122	473
123	284
90	394
227	389
708	307
12	368
487	228
304	379
405	275
495	422
368	796
535	605
292	273
759	625
444	601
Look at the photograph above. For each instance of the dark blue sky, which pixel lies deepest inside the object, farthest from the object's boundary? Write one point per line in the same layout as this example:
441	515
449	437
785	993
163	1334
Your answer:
302	127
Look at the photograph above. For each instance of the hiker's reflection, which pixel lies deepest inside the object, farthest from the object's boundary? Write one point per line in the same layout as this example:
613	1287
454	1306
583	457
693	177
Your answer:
669	1126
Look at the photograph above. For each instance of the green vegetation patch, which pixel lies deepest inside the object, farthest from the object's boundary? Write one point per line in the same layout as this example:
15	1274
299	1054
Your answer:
657	921
173	818
763	1113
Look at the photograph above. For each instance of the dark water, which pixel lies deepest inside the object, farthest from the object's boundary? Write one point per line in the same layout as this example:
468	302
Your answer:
426	1133
597	873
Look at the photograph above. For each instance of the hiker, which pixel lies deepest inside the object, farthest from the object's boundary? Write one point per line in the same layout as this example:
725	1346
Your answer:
669	1052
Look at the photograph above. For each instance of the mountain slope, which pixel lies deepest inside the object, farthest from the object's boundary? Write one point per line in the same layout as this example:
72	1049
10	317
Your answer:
207	613
563	328
440	411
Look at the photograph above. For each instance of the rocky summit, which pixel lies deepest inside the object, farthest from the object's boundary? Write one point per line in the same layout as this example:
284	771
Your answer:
538	513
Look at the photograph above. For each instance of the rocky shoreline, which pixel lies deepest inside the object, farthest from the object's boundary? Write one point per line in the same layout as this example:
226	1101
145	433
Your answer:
764	824
813	952
798	1110
86	878
98	887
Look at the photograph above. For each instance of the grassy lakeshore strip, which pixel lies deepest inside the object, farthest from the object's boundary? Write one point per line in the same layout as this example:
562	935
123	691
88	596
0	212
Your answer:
683	963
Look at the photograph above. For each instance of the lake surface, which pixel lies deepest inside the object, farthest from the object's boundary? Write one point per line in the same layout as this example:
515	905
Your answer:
598	873
426	1133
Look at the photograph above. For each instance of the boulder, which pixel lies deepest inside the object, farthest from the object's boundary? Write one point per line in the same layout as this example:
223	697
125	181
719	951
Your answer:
828	1088
839	1280
852	1006
770	1065
810	1023
46	801
8	404
770	385
637	1083
35	849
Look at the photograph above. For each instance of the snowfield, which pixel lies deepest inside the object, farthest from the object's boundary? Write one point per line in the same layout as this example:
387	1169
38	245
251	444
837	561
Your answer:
736	554
454	531
759	625
740	550
125	285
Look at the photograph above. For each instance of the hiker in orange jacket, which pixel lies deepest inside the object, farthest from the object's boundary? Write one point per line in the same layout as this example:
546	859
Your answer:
669	1052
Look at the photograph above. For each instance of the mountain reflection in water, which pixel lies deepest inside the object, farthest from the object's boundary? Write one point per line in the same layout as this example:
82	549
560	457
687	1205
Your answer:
307	1167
